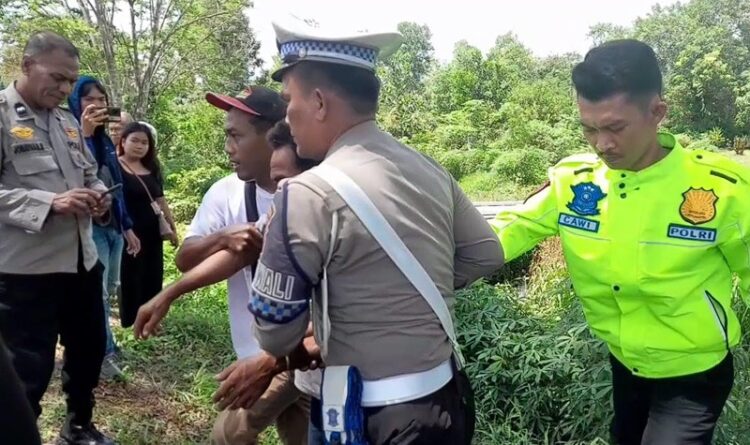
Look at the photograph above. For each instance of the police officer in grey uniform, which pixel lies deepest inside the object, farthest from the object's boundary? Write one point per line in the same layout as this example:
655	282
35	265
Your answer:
50	277
411	391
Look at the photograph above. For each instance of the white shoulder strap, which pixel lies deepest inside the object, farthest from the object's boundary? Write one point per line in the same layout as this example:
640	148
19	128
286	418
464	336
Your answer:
376	224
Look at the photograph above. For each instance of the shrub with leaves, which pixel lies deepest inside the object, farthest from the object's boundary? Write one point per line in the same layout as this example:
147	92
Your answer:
540	377
187	187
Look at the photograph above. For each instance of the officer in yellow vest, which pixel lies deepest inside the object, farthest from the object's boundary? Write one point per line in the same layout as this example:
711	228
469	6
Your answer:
652	233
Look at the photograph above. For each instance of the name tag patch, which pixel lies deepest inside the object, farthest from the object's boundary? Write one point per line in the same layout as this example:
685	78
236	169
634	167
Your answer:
27	147
578	222
273	284
691	233
275	297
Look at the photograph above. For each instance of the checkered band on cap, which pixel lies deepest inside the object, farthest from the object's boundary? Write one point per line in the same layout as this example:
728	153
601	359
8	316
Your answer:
301	49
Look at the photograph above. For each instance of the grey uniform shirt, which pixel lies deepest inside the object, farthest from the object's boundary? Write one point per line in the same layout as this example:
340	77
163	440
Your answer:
41	155
379	322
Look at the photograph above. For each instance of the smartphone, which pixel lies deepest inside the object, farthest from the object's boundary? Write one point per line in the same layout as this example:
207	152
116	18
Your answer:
111	189
113	114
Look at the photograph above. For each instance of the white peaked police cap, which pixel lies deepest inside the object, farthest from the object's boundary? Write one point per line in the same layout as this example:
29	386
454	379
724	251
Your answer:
306	40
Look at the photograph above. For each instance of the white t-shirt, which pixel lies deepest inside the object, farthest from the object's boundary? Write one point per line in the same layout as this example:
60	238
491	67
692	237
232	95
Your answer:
222	206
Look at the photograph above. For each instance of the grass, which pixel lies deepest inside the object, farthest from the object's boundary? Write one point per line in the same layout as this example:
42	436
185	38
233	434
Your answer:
486	186
166	398
540	378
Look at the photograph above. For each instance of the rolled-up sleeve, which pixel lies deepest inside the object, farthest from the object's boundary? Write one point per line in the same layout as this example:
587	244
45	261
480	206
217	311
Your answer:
478	252
289	267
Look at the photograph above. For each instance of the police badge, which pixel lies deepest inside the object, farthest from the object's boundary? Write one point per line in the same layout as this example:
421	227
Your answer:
24	133
698	205
333	417
72	134
586	197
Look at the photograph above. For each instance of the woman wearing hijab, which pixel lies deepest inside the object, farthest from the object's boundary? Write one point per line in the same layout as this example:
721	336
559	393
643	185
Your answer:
88	102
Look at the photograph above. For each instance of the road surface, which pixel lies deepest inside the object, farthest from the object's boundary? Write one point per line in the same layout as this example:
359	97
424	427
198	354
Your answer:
490	209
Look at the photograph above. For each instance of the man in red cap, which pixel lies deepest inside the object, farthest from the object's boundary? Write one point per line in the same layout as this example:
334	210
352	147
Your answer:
226	220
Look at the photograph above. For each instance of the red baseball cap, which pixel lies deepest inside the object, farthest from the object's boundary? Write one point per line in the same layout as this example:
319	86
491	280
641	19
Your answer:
255	100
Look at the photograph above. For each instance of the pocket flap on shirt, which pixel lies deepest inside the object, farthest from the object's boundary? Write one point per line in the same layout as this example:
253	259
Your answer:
79	159
31	165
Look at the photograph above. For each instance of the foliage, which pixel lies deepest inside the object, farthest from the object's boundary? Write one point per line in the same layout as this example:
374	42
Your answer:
705	62
187	188
403	104
538	374
143	49
494	120
166	397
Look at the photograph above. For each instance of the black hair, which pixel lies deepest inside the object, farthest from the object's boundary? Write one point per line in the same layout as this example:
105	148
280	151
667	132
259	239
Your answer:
261	124
619	66
150	160
94	84
280	138
45	42
358	85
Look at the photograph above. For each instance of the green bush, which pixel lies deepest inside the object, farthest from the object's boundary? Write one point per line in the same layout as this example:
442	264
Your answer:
703	144
540	377
480	182
684	139
715	136
186	189
488	186
451	161
535	377
525	167
466	162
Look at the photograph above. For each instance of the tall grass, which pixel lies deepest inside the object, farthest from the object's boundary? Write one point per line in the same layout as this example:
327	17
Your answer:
539	375
540	378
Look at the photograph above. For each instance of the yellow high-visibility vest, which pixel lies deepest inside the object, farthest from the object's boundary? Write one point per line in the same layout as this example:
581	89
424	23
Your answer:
650	253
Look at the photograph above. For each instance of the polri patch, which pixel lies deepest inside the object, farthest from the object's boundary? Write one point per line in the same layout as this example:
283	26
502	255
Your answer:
578	222
691	233
586	197
698	205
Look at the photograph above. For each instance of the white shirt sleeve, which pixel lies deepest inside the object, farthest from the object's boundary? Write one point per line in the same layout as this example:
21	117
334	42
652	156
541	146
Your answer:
211	214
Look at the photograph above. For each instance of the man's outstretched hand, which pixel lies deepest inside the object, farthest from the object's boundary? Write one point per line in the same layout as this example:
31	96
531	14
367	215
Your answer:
150	315
244	381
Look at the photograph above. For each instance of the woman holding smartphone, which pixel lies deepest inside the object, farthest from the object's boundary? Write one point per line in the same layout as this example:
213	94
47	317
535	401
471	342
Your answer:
143	274
89	104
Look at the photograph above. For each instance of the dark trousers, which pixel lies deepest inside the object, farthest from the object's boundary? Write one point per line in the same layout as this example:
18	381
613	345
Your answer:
34	310
671	411
443	417
17	422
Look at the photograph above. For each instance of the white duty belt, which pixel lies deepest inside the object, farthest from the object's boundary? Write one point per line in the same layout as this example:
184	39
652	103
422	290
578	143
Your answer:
401	388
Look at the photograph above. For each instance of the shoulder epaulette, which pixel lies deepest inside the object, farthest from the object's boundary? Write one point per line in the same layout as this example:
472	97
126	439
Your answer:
579	163
64	108
722	166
